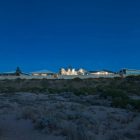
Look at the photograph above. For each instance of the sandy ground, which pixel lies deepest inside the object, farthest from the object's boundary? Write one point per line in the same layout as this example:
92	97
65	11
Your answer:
28	116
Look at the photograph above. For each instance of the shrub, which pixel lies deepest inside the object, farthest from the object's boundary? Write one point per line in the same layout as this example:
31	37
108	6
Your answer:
29	113
133	77
119	102
77	79
74	132
78	92
8	90
135	104
84	91
47	123
117	78
53	90
114	93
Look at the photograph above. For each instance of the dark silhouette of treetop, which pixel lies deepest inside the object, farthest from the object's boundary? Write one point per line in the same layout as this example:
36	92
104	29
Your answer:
18	71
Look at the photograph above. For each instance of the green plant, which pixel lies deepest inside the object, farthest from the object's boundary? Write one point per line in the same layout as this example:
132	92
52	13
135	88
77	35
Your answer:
114	93
135	104
77	79
119	102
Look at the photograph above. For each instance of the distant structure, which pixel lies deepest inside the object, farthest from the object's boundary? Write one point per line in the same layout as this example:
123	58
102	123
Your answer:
102	73
42	73
10	73
82	71
68	73
72	71
129	72
17	72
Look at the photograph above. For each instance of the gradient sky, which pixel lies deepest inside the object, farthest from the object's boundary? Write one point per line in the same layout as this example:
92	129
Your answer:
49	34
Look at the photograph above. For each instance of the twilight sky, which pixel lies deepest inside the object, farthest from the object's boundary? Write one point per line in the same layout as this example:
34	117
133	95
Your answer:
49	34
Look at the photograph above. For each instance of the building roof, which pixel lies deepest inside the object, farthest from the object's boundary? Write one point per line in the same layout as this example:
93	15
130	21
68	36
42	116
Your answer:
108	71
43	71
101	71
130	69
81	69
12	73
9	72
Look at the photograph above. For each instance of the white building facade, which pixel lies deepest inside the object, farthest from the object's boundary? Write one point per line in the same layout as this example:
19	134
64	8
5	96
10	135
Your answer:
72	71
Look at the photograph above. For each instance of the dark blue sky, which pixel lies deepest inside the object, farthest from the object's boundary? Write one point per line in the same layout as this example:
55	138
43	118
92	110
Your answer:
49	34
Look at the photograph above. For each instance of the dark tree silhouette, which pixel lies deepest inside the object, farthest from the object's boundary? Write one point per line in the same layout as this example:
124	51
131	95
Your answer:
18	71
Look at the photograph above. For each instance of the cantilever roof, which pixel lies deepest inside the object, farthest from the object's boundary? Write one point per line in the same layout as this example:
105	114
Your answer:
102	70
13	72
131	69
43	71
9	72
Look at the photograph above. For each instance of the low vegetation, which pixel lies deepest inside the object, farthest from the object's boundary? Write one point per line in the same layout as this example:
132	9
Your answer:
73	109
117	90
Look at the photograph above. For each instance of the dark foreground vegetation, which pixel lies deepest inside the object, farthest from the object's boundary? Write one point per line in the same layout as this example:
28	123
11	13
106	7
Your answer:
118	90
89	109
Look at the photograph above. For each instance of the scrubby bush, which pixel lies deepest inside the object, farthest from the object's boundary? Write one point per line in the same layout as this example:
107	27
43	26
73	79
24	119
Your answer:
8	90
114	93
74	132
120	98
133	78
77	79
119	102
135	104
36	89
84	91
78	92
29	113
53	90
49	124
117	78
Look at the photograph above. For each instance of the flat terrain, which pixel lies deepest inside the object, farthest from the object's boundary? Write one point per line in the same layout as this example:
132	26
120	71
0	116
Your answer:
91	109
